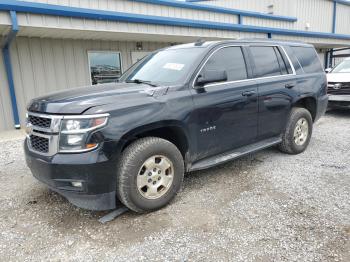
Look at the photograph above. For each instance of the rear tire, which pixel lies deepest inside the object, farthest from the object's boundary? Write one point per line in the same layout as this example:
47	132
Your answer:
150	173
297	134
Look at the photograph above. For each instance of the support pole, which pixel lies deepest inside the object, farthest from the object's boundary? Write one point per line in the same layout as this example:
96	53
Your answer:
8	66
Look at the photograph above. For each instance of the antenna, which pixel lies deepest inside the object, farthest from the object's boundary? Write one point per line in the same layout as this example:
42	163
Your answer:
199	42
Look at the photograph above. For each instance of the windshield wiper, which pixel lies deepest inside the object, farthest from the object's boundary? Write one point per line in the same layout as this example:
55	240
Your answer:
139	81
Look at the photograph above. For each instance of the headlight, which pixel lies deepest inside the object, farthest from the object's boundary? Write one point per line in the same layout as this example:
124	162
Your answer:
75	132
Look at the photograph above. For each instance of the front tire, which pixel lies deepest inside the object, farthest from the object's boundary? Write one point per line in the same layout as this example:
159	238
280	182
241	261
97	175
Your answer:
150	173
297	134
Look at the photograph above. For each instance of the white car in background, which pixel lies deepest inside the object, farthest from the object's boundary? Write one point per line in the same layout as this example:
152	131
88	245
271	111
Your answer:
339	85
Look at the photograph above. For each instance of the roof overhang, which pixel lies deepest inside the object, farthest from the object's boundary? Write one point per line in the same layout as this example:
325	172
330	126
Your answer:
236	30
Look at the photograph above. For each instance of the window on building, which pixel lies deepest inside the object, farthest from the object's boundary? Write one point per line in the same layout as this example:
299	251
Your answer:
308	59
105	66
266	62
231	60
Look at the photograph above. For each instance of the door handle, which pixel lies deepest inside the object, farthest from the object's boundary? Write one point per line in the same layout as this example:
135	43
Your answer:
248	93
289	86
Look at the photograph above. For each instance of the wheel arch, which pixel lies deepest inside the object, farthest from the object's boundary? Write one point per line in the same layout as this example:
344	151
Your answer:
171	130
309	103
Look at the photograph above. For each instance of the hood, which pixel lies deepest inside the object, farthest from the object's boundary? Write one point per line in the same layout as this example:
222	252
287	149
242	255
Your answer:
338	77
77	101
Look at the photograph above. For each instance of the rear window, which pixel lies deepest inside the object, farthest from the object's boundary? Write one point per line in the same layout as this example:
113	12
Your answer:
308	59
269	61
266	62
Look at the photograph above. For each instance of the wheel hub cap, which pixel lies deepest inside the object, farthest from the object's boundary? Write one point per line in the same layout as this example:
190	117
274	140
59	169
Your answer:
301	131
155	177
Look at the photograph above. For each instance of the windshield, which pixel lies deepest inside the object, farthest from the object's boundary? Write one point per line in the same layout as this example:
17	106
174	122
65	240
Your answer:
164	67
343	67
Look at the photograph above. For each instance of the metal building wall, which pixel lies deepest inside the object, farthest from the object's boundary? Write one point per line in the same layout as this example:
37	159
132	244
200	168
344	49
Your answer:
5	104
142	8
41	66
343	19
51	60
318	13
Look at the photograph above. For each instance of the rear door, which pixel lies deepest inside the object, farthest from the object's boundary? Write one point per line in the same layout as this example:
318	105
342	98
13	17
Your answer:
276	86
225	114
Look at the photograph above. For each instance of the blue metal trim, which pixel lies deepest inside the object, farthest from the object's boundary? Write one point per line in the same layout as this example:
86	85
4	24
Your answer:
334	22
57	10
217	9
46	9
240	19
198	0
8	67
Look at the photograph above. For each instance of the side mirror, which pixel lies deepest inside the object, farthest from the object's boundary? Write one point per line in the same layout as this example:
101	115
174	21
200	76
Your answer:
211	76
327	70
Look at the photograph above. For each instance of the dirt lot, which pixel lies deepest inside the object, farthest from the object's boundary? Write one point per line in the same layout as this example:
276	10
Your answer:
265	207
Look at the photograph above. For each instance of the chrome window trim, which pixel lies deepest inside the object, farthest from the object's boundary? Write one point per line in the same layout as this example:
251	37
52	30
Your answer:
248	79
53	133
289	60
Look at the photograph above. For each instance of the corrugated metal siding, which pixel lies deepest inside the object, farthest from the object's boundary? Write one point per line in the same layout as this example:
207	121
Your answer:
267	23
318	13
251	5
343	19
142	8
41	66
5	104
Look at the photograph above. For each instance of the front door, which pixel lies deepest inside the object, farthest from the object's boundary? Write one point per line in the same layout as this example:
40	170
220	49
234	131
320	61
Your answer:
226	113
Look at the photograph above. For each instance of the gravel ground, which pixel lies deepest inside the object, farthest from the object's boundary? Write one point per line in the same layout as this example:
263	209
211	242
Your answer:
265	207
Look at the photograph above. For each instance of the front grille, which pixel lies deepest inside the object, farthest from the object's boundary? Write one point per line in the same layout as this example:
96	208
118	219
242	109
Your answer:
42	122
39	143
342	89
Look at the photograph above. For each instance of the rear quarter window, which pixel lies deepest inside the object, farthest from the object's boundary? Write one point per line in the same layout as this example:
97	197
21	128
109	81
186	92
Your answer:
308	59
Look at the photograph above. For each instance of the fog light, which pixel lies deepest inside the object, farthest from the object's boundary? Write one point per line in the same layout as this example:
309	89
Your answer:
77	184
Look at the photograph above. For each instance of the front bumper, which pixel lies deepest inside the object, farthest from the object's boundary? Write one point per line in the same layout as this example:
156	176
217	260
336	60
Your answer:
95	171
339	101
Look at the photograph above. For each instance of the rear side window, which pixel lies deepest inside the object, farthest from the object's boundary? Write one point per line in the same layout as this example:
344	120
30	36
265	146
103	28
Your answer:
231	60
268	61
308	59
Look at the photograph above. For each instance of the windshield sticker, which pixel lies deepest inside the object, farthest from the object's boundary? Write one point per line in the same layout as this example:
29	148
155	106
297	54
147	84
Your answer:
174	66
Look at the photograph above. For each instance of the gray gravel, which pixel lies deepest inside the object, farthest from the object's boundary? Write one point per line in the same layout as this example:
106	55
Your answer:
265	207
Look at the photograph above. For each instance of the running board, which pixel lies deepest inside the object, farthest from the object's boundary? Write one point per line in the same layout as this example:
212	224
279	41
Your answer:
238	152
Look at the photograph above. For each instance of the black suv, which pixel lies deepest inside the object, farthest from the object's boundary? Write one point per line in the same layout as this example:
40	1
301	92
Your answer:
180	109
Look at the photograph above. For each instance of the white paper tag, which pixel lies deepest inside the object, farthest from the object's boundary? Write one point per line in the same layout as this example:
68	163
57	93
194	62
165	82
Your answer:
174	66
